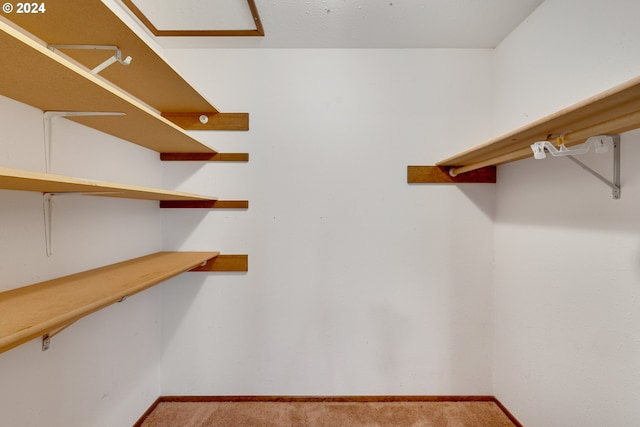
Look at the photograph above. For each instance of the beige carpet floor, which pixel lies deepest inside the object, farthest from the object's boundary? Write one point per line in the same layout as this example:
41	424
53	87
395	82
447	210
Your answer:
325	414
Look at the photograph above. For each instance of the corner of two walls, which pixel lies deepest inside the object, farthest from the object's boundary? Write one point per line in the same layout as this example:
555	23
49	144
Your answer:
567	293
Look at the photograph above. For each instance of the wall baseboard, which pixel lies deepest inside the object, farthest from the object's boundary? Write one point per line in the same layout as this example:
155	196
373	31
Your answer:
504	409
427	398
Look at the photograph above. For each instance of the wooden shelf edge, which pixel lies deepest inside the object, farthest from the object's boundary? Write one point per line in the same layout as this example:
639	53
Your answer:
96	94
205	204
229	263
215	121
613	111
21	180
440	175
204	157
28	312
74	23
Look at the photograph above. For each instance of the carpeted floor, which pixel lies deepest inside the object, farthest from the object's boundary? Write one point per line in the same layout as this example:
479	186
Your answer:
324	414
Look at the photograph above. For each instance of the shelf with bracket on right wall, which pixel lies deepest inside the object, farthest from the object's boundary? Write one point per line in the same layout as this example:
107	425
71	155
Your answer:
609	113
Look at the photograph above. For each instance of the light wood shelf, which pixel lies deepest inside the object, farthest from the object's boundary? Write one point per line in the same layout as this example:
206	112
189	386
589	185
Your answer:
614	111
91	22
148	77
16	179
34	75
36	310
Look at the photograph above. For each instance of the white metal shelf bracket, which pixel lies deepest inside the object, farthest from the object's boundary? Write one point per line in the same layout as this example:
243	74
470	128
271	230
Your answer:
117	56
616	190
49	118
600	143
47	208
46	338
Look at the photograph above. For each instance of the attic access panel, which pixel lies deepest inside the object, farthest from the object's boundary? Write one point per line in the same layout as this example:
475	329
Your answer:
198	17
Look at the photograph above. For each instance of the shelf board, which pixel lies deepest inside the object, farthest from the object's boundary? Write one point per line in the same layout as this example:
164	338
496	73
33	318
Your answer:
15	179
91	22
614	111
148	77
35	310
34	75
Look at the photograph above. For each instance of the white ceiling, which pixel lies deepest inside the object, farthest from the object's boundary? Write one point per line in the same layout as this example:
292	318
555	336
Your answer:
371	23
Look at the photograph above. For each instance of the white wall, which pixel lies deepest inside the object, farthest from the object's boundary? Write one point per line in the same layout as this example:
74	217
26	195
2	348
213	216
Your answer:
358	283
567	276
102	370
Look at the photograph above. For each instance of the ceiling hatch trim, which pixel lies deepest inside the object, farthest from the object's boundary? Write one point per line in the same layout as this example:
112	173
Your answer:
258	31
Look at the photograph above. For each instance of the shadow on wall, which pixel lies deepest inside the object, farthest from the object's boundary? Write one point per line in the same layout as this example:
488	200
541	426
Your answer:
482	196
554	192
470	253
178	295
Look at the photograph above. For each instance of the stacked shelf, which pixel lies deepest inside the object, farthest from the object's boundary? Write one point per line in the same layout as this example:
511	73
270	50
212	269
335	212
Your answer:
38	74
34	75
614	111
148	77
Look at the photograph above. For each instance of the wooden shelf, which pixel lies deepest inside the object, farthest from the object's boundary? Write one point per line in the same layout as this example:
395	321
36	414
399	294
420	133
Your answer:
36	310
614	111
36	76
15	179
148	77
145	92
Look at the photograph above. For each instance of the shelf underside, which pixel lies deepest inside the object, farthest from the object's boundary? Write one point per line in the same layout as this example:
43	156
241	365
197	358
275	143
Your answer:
611	112
91	22
15	179
39	309
34	75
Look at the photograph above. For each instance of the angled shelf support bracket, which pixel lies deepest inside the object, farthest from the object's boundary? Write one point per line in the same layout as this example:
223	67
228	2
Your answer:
600	142
117	56
46	338
615	183
50	116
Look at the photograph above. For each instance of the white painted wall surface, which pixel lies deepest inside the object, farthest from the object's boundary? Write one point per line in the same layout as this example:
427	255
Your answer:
102	370
567	276
358	283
